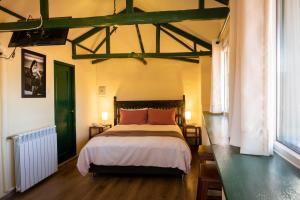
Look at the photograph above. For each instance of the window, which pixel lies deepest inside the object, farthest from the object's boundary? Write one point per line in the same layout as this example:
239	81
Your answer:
288	74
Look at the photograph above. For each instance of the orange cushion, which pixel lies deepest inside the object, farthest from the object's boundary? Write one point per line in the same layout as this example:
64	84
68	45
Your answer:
161	116
133	116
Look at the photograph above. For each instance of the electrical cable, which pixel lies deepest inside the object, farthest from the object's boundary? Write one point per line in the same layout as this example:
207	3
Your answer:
29	29
12	55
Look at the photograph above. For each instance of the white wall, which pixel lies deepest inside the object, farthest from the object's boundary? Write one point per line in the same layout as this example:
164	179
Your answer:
23	114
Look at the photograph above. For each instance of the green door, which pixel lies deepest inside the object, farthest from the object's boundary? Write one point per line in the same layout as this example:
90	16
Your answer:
64	98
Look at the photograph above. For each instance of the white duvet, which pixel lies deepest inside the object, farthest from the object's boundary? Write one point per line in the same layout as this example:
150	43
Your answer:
152	151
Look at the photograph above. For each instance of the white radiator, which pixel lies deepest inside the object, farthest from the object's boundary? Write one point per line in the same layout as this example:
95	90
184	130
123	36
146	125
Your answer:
35	156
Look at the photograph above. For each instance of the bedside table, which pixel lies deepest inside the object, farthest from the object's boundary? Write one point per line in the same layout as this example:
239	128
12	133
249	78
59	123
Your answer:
95	130
193	131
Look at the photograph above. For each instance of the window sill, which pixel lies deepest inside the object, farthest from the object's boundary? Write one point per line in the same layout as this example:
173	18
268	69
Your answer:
287	154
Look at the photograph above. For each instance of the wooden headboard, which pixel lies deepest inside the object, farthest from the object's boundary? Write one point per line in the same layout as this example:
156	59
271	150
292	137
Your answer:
162	104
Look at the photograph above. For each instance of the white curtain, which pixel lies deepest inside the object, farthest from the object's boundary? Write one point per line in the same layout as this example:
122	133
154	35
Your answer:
217	78
289	81
251	65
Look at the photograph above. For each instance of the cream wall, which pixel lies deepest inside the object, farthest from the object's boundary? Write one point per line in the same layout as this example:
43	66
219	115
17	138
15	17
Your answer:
130	79
24	114
161	79
206	83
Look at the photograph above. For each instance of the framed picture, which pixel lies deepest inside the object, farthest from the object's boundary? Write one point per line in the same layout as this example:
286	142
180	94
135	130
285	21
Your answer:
33	74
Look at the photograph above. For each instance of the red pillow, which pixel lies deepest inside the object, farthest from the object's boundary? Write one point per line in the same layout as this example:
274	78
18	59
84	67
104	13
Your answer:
133	116
161	116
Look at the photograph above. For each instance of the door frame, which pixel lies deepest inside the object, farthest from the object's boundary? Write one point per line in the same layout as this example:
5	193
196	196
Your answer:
74	135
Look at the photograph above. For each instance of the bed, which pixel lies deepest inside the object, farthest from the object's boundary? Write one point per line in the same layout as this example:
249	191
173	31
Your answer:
139	149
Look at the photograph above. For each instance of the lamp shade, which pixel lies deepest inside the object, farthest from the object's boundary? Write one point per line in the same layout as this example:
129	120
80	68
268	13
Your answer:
188	115
104	116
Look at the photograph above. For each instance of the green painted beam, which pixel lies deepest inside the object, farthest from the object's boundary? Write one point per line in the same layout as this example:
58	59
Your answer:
88	34
129	6
225	2
107	40
145	62
177	39
187	35
12	13
98	61
182	33
141	55
157	38
73	49
81	46
142	60
140	38
201	4
44	9
123	19
104	40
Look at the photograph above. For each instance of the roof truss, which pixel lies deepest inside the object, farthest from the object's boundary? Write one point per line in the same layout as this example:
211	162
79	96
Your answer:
130	16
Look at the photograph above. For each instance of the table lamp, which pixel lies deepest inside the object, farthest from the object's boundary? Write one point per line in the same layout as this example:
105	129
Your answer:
104	117
188	115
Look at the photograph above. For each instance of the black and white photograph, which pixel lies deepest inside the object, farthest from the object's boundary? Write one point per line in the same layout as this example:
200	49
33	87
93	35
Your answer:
33	74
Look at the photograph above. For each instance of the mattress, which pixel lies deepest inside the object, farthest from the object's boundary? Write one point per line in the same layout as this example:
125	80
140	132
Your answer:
147	151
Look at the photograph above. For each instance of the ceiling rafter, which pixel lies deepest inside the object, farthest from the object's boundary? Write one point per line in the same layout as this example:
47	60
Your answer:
12	13
87	34
141	55
130	15
104	40
122	19
224	2
176	39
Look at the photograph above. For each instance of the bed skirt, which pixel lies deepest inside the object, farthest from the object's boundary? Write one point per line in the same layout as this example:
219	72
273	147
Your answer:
135	170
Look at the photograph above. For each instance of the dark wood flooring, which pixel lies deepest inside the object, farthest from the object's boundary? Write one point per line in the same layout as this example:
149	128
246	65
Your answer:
68	184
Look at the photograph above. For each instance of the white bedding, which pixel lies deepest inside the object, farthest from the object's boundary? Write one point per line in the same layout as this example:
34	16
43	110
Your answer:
153	151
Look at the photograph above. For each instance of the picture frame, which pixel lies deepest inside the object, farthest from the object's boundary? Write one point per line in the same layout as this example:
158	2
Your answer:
33	74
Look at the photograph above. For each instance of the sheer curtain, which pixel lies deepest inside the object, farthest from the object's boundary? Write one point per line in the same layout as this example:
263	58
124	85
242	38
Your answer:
217	79
289	75
251	40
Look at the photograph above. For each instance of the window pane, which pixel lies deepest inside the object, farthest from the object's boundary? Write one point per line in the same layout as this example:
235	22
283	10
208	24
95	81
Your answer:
289	74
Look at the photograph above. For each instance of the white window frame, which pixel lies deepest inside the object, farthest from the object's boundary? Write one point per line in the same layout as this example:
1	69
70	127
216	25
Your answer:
281	149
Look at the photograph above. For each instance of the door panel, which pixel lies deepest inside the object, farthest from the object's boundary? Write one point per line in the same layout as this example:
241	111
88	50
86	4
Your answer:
65	110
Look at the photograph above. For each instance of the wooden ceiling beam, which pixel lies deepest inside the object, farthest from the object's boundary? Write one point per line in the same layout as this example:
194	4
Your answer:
140	38
187	36
107	30
177	39
87	34
142	55
81	46
157	38
129	6
44	9
201	4
122	19
224	2
103	41
12	13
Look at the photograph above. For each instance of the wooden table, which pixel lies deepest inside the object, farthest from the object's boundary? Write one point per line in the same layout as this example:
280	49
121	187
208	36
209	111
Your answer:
193	131
250	177
98	129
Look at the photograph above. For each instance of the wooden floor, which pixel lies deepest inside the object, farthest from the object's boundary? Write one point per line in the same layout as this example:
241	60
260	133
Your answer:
67	183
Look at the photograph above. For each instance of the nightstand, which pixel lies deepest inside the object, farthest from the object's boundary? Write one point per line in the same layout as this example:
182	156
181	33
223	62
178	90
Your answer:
193	132
95	130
